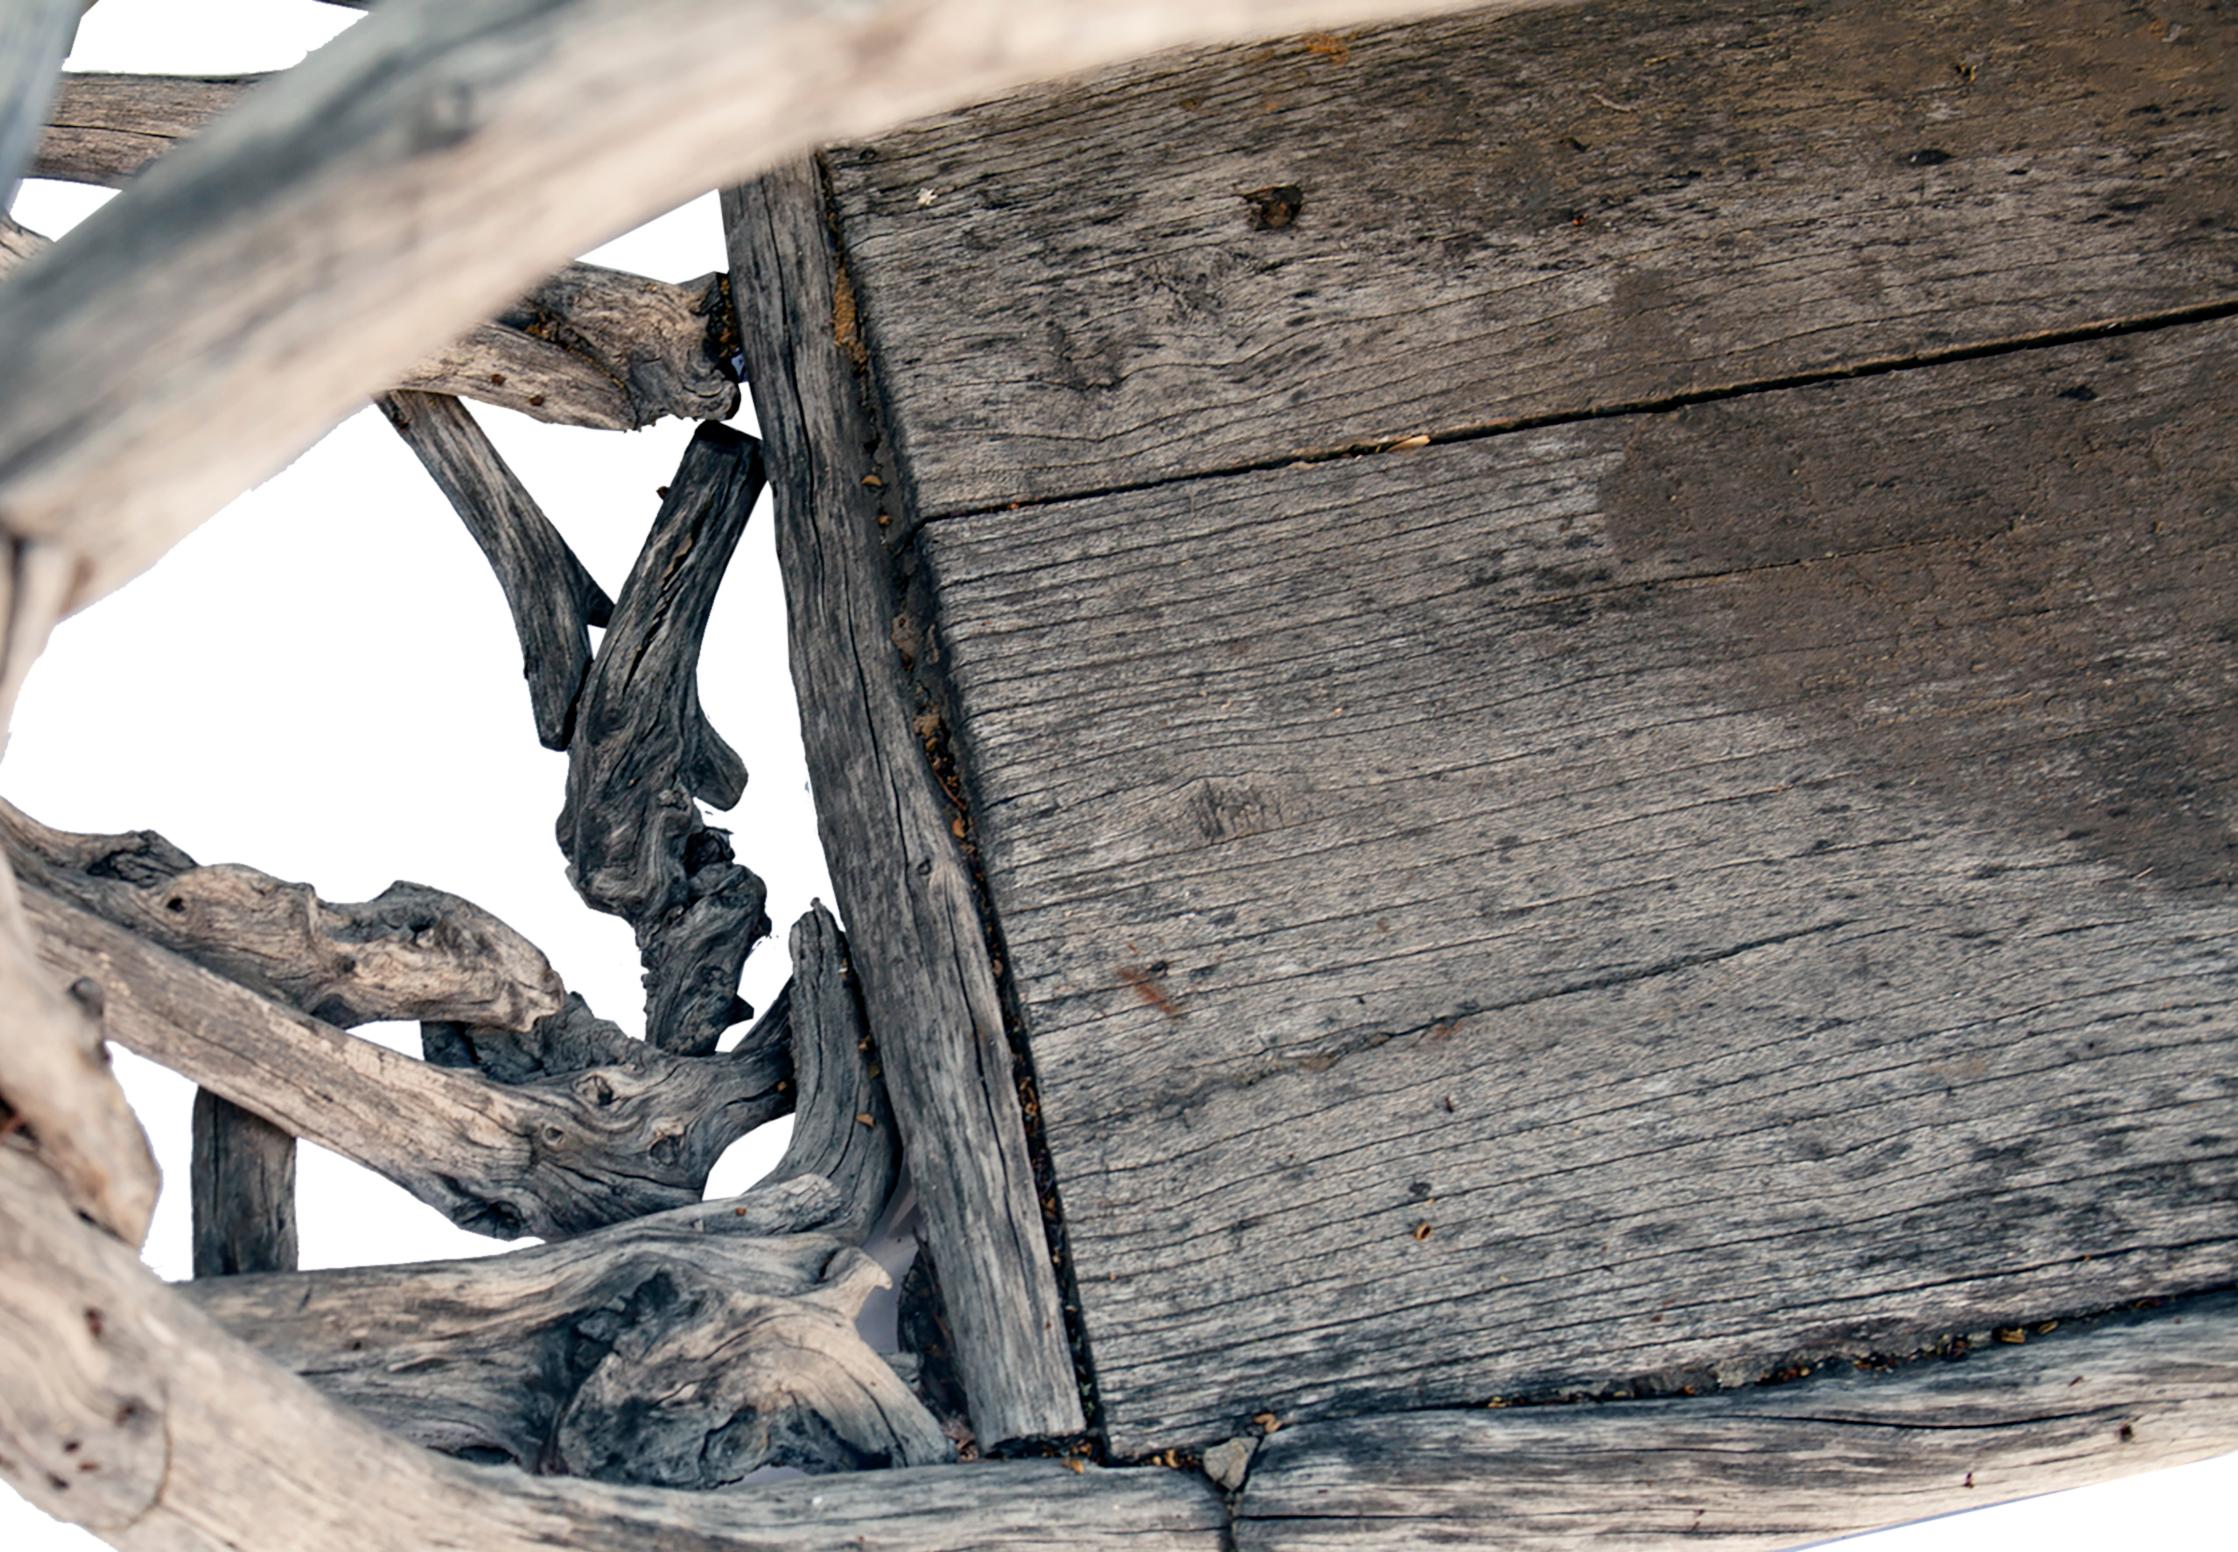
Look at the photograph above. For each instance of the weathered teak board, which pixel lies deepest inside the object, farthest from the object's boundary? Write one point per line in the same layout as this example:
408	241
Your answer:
1512	217
1721	865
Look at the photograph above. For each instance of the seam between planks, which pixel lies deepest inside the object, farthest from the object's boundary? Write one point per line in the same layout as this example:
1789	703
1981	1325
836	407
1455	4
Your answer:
1872	366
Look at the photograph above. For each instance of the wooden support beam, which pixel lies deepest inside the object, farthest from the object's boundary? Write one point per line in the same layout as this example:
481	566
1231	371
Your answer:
919	948
1768	1467
553	599
262	266
549	1158
199	1444
597	1356
643	758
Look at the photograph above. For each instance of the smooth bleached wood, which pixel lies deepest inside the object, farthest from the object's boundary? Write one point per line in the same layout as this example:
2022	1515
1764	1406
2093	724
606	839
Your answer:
1628	904
549	1158
413	176
589	346
643	757
1502	217
204	1446
241	1184
35	36
553	599
592	1357
1769	1468
918	945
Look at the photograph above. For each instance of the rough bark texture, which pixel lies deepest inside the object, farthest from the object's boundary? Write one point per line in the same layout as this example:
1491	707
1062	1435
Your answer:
242	1191
644	758
549	1158
1501	218
1779	1466
898	872
553	599
680	1350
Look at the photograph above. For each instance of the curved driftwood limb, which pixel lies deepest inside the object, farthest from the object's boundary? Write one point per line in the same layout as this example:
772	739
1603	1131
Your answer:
579	1358
843	1127
35	37
553	599
644	758
549	1158
56	1089
409	953
589	346
201	1444
272	237
241	1191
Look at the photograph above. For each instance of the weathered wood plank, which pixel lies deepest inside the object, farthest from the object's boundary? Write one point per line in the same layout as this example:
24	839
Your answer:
918	947
241	1191
590	1357
550	1158
1630	903
553	599
1073	290
1767	1468
204	1445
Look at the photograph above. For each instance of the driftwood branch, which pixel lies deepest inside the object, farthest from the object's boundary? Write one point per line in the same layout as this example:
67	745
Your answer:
589	346
35	36
197	1444
18	245
843	1127
553	599
681	1349
550	1158
516	137
644	758
241	1191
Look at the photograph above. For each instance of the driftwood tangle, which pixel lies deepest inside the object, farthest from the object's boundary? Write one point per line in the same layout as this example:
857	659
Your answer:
1540	702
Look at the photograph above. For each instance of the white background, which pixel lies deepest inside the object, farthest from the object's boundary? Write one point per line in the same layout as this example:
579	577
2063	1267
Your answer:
323	682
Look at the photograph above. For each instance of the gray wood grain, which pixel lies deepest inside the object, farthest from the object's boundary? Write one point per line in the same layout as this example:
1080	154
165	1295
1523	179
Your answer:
589	346
241	1191
550	1158
200	1443
1757	1470
643	757
1627	904
1071	290
553	599
591	1357
928	988
843	1125
18	243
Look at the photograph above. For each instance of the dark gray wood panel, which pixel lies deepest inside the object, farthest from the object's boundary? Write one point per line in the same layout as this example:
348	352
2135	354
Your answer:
1757	1470
1626	904
1103	284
